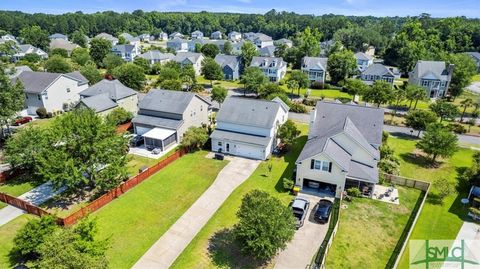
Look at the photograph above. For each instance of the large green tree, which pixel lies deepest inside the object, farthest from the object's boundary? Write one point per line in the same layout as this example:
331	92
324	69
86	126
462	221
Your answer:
438	141
91	73
210	50
381	92
288	132
341	65
420	119
11	99
211	70
300	78
444	110
35	36
194	138
99	48
414	93
253	78
219	94
58	64
130	75
80	56
78	37
463	71
248	52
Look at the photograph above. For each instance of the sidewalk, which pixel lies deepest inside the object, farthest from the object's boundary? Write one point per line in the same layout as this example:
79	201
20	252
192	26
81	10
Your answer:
164	252
36	197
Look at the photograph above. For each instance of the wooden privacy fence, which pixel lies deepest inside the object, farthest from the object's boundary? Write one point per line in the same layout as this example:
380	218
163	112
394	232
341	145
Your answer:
405	181
124	127
102	200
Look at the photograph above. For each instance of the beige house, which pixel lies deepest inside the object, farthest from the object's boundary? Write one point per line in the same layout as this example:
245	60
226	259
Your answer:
59	43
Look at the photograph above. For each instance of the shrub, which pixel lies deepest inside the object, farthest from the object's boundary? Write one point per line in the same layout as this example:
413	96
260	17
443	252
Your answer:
317	85
297	108
354	192
197	88
458	128
49	115
288	183
344	100
31	236
41	112
310	102
119	116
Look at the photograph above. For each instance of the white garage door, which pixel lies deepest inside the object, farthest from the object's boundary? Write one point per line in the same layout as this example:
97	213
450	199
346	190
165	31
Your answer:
141	130
250	152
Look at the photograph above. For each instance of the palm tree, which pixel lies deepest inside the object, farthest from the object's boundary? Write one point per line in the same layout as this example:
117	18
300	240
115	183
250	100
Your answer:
466	104
400	95
414	94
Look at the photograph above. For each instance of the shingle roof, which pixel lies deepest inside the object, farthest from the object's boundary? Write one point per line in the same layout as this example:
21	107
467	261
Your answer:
362	171
191	56
78	76
474	54
262	37
268	51
124	48
107	37
228	60
245	138
157	121
113	88
363	56
316	63
156	55
99	103
18	70
62	44
57	35
249	112
267	62
284	41
37	82
378	70
167	101
431	69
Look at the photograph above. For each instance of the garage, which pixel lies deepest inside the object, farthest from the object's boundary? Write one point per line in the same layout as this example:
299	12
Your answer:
248	151
313	186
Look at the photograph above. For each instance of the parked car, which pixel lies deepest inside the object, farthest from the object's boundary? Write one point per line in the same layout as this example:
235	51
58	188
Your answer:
137	141
300	207
323	210
22	120
156	151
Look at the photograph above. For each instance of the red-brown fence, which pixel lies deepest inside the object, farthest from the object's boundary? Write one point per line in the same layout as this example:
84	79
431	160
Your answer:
124	127
99	202
6	175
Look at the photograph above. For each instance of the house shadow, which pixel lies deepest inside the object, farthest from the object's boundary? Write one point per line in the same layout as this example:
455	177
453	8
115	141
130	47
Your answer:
404	136
224	251
290	157
460	209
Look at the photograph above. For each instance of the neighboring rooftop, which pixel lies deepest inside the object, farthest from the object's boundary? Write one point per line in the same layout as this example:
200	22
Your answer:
267	62
378	70
228	60
99	103
363	56
174	102
431	69
314	63
37	82
113	88
156	55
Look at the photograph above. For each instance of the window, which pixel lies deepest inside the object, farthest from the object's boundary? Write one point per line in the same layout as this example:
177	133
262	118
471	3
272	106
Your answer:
443	83
424	83
39	97
68	89
321	165
219	143
325	166
318	165
201	108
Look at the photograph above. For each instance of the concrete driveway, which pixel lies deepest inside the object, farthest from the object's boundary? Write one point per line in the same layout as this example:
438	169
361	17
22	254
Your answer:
164	252
305	243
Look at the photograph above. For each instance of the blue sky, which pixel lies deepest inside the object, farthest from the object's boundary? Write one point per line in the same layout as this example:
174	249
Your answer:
438	8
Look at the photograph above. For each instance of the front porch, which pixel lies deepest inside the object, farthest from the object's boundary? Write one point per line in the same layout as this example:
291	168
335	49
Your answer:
366	188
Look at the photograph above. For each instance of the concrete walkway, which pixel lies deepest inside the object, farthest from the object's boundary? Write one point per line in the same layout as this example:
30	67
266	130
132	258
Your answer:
36	196
164	252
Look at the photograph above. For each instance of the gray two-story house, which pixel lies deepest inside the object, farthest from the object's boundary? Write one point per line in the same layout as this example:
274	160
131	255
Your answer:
231	66
433	76
273	67
377	72
315	68
127	52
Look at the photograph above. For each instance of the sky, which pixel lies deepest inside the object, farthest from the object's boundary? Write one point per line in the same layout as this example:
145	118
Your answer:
437	8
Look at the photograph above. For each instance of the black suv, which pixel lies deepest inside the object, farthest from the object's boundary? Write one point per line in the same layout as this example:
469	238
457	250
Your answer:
322	212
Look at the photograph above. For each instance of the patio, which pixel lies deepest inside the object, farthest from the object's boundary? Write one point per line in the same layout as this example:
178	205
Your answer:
386	194
144	152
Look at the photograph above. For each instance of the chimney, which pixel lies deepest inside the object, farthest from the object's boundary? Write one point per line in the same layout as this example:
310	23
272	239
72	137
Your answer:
450	69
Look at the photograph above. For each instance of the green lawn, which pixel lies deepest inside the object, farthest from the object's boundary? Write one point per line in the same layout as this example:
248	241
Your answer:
196	255
369	230
7	233
16	187
436	221
137	219
476	78
223	83
40	122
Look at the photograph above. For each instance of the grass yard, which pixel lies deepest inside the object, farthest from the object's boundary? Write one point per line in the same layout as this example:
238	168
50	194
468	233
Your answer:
40	123
7	234
224	83
136	220
16	187
437	220
369	230
196	255
476	78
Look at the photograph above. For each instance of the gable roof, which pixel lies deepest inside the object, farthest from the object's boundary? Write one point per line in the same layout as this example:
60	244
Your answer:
284	41
174	102
474	54
316	63
99	103
114	89
431	69
363	56
267	62
191	56
106	36
57	35
26	47
268	51
262	37
124	48
249	112
228	60
37	82
14	72
156	55
378	70
59	43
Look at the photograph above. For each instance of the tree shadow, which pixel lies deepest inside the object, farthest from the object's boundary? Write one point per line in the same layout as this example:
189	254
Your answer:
463	180
290	157
224	251
404	136
434	199
419	160
16	259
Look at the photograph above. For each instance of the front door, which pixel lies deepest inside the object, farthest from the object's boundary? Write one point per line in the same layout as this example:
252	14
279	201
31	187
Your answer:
432	94
227	147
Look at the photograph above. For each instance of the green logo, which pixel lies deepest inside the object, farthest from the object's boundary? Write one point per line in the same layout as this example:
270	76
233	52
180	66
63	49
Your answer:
431	254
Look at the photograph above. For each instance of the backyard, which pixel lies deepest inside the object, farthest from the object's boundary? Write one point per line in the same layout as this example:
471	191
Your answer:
16	187
227	255
7	233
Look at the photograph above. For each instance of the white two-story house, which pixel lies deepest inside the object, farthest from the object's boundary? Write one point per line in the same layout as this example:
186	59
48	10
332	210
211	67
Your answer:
363	61
53	91
433	76
190	58
127	52
273	67
342	150
377	72
248	127
315	68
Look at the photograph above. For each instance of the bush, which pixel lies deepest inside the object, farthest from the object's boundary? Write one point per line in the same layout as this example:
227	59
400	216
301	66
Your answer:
31	236
197	88
310	102
344	100
288	183
354	192
119	116
297	108
41	112
458	128
317	85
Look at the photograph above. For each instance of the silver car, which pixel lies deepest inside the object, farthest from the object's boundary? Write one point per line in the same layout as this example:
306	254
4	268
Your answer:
300	207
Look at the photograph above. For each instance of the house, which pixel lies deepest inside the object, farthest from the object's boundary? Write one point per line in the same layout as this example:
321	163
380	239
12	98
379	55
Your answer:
220	43
283	41
434	76
192	43
237	47
53	91
363	61
59	43
273	67
248	127
231	66
8	37
216	35
175	35
135	41
17	70
377	72
145	37
342	150
108	37
234	36
196	35
268	51
22	50
155	56
162	36
190	58
370	51
261	40
58	36
178	44
127	52
164	116
476	57
315	68
249	35
106	95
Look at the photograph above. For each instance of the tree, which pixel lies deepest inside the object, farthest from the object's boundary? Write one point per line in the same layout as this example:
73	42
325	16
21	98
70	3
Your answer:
78	37
91	73
32	58
341	65
112	61
118	116
253	78
438	141
80	56
380	92
7	50
171	84
443	188
122	40
143	63
168	73
444	110
35	36
59	51
198	47
11	99
288	132
58	64
466	103
211	70
249	50
415	93
99	48
301	78
399	94
463	71
29	238
130	75
219	94
420	119
308	42
264	226
292	85
227	48
389	163
21	153
280	50
210	50
355	86
194	138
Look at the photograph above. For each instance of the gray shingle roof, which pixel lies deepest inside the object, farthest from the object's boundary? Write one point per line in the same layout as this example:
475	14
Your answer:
268	51
167	101
363	56
156	55
78	76
157	122
245	138
228	60
191	56
113	88
378	70
57	35
314	63
106	36
37	82
363	171
262	37
99	103
432	70
125	48
249	112
59	43
474	54
267	62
